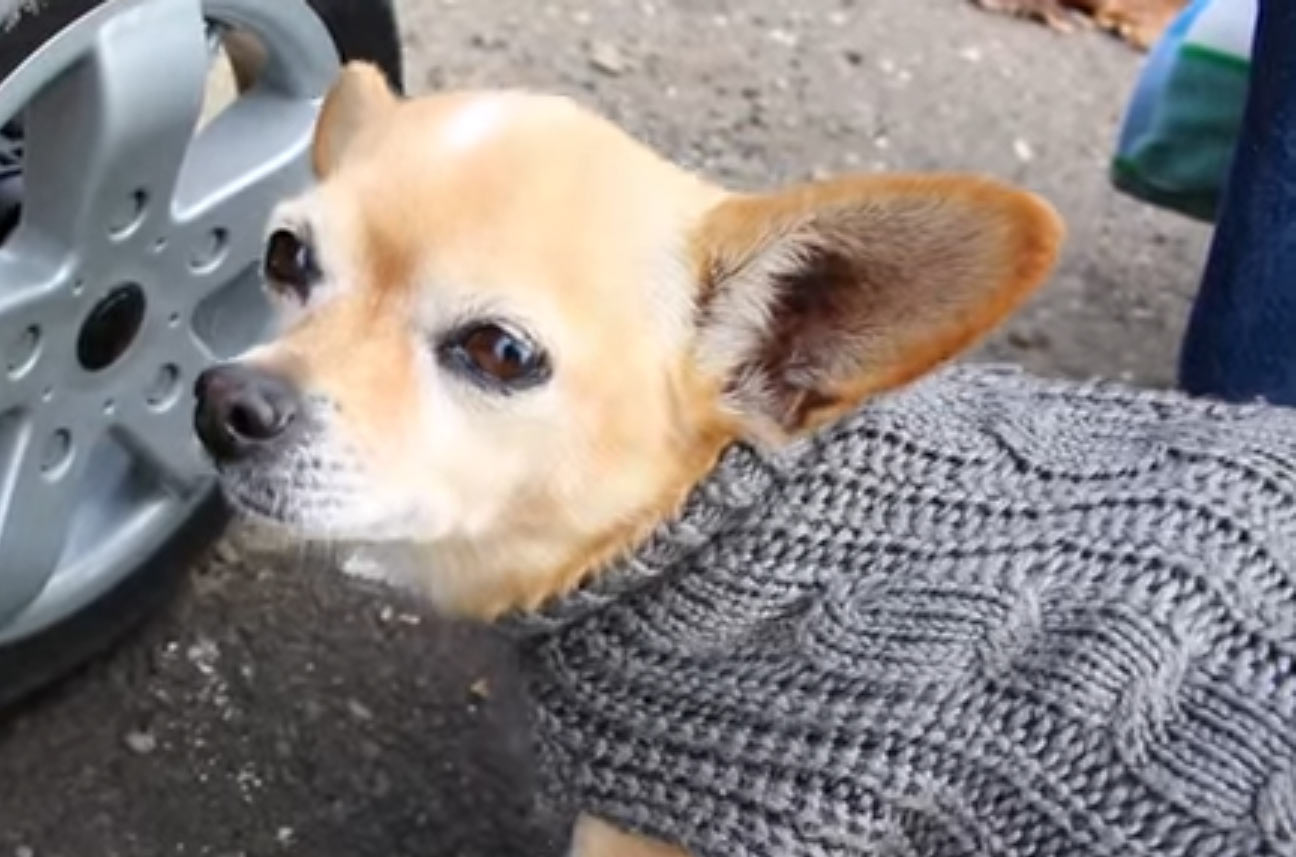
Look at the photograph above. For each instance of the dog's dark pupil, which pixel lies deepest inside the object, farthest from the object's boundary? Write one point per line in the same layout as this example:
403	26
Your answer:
498	353
508	352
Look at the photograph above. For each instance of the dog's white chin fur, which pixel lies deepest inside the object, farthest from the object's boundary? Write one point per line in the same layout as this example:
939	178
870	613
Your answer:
308	506
300	519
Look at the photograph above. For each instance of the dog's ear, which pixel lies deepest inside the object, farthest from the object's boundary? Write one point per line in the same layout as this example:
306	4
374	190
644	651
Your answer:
358	98
815	297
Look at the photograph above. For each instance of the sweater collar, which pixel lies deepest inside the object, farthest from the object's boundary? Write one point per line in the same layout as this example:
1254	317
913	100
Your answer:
743	477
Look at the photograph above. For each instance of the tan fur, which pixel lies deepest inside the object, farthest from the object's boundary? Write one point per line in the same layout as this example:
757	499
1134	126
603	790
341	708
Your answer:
679	317
968	252
359	101
666	301
631	431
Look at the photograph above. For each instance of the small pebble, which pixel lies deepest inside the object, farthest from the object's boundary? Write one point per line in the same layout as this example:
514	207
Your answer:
1028	338
1022	149
480	689
24	851
313	711
606	57
203	654
783	37
225	552
358	710
140	742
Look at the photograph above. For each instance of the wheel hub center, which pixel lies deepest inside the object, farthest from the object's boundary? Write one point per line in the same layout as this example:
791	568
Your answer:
111	327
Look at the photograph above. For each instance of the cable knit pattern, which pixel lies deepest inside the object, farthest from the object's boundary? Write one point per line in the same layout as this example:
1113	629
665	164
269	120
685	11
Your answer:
990	615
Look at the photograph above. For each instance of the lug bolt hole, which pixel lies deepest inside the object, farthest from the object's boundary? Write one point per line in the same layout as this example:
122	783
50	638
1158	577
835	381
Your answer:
162	391
57	454
211	251
129	215
21	354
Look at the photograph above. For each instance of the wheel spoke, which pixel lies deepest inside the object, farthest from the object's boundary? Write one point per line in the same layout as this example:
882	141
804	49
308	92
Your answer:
106	139
40	475
29	309
251	156
27	266
13	395
22	347
158	430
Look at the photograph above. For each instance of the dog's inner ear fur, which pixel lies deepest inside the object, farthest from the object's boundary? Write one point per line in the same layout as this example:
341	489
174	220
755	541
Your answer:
815	297
358	99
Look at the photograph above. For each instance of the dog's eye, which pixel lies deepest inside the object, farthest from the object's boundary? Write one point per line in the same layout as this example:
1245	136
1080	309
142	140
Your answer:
492	354
290	263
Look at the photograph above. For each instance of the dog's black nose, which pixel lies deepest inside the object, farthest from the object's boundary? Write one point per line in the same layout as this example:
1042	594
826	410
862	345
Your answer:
242	409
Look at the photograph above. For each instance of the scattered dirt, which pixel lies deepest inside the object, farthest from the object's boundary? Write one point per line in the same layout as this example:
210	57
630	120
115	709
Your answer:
1140	22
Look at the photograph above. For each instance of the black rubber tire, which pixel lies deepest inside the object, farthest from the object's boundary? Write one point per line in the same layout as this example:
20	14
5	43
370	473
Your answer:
362	29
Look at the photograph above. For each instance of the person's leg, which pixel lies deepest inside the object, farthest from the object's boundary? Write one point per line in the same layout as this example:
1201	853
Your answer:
1241	339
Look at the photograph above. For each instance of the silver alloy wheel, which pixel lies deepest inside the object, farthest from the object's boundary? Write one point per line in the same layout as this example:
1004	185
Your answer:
132	266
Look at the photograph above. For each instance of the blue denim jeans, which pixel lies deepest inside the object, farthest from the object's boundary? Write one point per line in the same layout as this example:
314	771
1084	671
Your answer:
1241	339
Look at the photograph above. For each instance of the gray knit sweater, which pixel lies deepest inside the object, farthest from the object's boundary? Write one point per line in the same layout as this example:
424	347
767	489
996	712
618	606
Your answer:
987	616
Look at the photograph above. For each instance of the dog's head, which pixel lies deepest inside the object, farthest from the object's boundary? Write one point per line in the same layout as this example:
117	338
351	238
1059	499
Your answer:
515	336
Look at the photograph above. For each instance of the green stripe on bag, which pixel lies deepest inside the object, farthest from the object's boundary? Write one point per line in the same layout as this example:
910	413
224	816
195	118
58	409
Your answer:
1182	160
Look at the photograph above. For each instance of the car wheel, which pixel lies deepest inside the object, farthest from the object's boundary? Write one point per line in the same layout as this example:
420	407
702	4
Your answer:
131	211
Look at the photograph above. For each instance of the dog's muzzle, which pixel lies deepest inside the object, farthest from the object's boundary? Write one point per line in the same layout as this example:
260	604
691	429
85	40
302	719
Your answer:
243	411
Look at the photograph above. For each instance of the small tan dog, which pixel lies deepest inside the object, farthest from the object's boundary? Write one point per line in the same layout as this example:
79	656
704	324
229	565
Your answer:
516	338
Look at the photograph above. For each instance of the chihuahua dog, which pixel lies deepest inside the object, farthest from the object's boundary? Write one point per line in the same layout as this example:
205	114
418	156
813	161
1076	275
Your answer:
515	338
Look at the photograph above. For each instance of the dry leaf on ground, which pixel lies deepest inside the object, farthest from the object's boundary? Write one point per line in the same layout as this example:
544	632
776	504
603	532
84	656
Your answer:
1139	22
